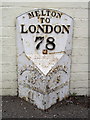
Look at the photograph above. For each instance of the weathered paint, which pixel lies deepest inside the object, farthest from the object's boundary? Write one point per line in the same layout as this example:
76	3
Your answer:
43	74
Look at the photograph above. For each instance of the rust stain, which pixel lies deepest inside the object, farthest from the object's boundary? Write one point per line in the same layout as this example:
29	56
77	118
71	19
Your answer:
58	52
27	57
44	51
62	13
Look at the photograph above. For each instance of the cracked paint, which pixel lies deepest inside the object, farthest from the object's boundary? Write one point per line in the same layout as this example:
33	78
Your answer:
44	45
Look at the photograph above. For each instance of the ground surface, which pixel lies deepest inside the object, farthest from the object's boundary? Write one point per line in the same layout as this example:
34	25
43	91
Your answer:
72	107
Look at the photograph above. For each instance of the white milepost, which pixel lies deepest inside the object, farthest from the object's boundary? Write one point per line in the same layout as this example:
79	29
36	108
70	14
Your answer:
44	45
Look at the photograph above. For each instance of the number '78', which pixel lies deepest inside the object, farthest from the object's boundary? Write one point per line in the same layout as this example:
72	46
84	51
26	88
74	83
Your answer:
50	42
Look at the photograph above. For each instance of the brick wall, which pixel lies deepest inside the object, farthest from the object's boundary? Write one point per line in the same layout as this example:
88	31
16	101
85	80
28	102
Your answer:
8	62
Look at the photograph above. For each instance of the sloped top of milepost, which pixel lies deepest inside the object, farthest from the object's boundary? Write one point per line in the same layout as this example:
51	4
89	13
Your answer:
44	37
43	9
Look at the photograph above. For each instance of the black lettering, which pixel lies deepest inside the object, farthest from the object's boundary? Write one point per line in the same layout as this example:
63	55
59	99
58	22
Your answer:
41	28
47	20
50	43
58	15
65	28
48	13
43	14
49	29
41	40
23	29
31	15
32	28
53	14
37	13
57	29
42	20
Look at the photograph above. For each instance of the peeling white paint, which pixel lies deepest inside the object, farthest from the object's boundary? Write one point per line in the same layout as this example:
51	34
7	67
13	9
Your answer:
43	79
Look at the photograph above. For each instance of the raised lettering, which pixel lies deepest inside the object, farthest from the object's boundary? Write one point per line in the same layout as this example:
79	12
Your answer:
23	29
65	28
32	28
